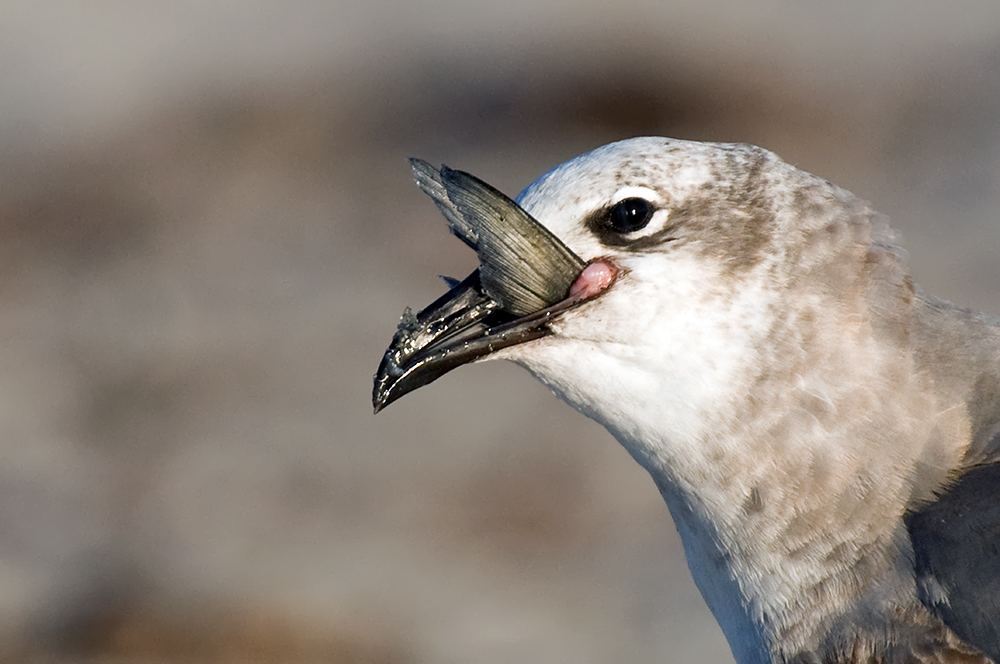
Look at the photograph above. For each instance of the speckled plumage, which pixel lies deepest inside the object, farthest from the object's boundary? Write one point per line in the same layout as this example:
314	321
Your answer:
798	401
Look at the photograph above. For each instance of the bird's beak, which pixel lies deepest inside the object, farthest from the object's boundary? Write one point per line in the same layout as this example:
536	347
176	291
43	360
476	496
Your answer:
524	280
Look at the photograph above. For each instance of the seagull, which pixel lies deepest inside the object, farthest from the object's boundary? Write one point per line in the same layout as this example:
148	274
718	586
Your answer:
825	434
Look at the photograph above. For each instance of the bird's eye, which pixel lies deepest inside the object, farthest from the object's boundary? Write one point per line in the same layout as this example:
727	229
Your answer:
630	215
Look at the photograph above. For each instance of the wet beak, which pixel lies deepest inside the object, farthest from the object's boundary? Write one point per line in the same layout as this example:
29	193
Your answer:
523	281
461	326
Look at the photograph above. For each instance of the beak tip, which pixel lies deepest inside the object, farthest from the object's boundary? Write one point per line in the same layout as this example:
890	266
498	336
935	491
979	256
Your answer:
379	402
382	392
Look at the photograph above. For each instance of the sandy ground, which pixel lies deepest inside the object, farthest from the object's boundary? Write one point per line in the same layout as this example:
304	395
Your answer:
208	232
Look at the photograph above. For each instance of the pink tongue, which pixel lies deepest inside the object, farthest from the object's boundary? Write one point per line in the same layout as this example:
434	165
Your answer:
595	277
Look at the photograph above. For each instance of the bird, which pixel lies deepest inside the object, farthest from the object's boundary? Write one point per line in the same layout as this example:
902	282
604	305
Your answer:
824	433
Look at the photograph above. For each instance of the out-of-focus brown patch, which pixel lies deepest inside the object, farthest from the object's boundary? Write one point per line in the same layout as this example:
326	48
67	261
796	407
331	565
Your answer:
229	633
75	214
607	91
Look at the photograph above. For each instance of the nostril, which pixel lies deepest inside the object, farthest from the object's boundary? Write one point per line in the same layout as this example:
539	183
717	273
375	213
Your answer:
596	277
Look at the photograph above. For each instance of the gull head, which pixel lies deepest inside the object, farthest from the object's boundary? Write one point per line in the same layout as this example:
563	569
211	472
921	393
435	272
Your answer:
664	280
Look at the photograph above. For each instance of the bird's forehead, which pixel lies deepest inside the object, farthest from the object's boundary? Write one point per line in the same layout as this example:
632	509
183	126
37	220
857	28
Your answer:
664	168
702	184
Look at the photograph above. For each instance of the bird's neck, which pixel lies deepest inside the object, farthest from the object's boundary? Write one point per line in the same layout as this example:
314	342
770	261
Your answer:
782	563
790	505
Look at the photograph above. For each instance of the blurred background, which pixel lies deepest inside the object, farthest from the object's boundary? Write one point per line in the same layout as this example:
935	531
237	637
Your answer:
207	234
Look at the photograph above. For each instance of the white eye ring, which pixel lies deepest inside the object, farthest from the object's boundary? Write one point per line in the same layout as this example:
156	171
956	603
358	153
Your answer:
637	192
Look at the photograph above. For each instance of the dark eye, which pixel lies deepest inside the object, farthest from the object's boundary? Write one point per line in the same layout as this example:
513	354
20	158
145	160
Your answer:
630	215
